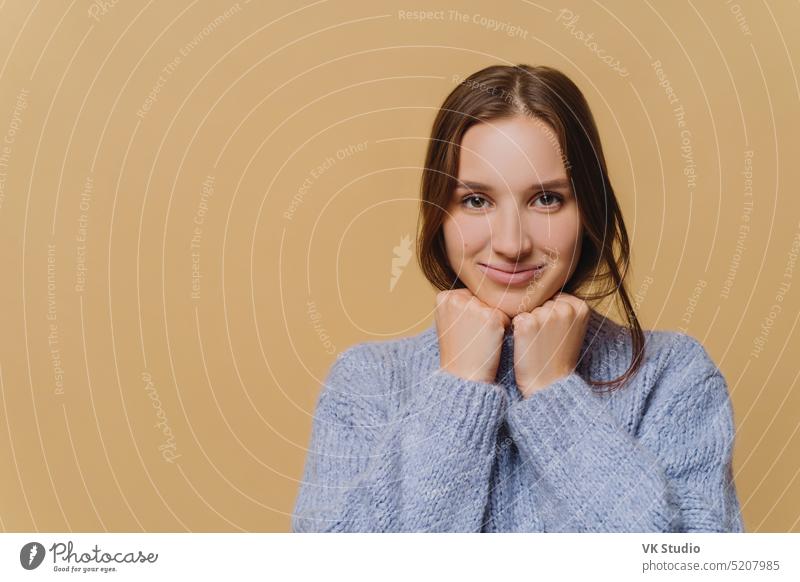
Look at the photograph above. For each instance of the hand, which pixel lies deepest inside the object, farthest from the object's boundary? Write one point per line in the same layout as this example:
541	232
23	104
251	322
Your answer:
470	335
547	342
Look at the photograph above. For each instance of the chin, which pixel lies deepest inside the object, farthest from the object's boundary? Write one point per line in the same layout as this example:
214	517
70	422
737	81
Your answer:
513	308
511	302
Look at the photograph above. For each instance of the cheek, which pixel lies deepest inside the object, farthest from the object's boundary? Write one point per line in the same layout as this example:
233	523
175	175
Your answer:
559	233
465	236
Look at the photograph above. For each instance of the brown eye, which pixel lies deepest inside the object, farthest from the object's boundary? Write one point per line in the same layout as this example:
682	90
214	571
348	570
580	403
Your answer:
466	199
552	199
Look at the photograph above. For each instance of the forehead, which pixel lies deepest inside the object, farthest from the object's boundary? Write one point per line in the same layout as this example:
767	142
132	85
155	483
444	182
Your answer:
506	151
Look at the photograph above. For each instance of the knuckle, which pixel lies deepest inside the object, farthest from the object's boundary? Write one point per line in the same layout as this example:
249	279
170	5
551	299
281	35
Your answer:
524	320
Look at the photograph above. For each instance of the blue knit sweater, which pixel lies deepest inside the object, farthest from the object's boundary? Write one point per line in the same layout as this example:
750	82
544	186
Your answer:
399	445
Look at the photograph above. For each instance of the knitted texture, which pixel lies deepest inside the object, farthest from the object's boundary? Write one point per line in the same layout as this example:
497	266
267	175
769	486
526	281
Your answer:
398	445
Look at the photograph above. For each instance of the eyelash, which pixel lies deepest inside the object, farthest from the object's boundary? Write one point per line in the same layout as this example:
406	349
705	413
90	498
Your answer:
558	198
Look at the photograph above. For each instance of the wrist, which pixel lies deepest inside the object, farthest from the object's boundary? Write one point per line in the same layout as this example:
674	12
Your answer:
529	391
531	388
469	376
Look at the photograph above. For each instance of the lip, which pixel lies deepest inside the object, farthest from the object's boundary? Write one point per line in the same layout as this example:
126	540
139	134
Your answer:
519	277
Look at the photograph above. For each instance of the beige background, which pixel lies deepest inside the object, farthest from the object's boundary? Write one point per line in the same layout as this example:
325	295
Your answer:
261	97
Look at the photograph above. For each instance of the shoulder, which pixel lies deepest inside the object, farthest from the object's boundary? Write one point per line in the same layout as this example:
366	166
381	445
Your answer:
684	354
373	366
664	350
688	381
671	360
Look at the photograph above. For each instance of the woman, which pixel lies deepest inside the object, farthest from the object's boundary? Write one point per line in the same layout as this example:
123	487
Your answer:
491	419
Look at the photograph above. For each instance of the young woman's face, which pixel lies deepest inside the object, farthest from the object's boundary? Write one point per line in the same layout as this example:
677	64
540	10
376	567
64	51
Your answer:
513	209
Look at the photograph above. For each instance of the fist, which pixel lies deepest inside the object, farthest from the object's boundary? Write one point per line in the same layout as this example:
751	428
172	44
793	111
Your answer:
547	342
470	335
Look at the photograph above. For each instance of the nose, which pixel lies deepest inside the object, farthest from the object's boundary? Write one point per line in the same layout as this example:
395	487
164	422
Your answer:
510	236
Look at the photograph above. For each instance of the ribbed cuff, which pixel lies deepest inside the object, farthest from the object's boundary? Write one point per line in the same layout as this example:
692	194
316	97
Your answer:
575	443
464	413
555	420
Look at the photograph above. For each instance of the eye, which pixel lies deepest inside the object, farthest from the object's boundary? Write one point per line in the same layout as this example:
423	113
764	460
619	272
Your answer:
465	201
552	199
475	201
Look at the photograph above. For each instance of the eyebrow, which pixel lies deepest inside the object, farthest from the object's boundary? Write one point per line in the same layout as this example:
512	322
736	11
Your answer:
552	183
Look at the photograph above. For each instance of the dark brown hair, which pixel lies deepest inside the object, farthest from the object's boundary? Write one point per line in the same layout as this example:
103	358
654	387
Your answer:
547	95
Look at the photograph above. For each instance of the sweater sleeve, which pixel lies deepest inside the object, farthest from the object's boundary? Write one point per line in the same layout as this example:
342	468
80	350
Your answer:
675	475
424	468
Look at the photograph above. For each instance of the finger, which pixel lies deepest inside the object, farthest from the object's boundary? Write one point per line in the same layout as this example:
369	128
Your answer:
563	297
567	301
462	294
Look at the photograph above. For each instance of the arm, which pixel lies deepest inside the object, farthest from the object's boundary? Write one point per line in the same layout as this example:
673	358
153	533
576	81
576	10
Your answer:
425	469
676	476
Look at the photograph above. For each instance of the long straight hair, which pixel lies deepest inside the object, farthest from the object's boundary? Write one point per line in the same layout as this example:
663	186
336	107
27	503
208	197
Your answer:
546	95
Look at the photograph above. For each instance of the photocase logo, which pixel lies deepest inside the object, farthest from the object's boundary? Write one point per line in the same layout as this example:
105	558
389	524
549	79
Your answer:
402	254
31	555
